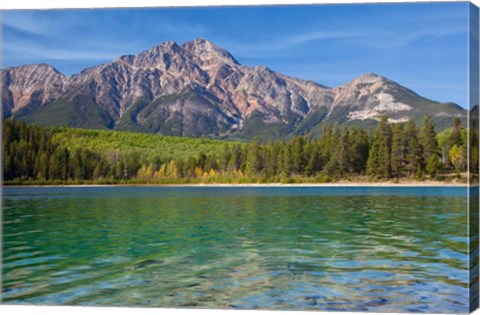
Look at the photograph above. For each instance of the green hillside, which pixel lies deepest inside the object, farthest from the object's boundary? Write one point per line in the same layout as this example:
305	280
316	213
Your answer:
80	111
149	146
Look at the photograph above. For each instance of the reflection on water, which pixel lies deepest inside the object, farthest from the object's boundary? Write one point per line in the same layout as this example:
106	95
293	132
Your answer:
353	249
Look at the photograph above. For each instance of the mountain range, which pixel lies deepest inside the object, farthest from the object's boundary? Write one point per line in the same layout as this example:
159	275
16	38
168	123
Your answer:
199	89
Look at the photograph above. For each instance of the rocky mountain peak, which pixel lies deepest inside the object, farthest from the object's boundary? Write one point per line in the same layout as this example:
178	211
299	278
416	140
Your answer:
46	67
206	52
36	67
368	78
203	43
39	74
165	46
160	56
41	68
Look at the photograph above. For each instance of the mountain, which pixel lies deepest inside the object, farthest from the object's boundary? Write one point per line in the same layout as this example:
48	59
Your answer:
199	89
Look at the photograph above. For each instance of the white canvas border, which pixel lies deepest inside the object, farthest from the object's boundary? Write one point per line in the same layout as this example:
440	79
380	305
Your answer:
59	4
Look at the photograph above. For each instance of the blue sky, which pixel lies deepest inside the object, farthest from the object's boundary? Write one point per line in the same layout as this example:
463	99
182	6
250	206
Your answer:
420	45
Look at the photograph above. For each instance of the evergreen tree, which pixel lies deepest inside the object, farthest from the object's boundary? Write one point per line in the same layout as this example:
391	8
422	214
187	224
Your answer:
286	162
399	150
297	151
414	158
379	160
339	163
270	160
358	151
314	160
63	158
428	138
325	144
254	159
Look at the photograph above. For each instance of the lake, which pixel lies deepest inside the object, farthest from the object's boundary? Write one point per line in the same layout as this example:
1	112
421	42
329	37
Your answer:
353	249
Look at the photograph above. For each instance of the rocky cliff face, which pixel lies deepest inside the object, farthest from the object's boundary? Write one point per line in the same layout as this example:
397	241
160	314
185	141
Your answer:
25	88
199	89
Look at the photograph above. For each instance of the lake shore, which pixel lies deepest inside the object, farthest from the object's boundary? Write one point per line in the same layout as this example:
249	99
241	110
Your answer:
404	183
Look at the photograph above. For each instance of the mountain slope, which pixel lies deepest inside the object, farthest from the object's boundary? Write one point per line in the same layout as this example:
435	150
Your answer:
199	89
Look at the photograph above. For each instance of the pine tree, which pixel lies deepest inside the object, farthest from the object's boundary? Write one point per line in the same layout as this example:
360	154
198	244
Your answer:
314	159
54	167
254	159
399	150
340	161
286	161
297	147
270	160
379	160
44	165
63	159
325	143
428	139
358	151
414	158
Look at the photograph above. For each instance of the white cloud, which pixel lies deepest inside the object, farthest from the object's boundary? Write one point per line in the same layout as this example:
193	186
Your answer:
49	52
67	35
251	49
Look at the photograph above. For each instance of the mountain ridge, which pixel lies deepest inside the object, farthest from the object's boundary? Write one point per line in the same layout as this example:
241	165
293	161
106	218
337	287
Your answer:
199	89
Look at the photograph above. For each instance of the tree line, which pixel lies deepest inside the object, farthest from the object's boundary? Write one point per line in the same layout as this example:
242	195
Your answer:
400	150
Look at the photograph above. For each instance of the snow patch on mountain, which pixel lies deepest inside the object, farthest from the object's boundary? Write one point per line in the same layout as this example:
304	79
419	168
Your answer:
386	104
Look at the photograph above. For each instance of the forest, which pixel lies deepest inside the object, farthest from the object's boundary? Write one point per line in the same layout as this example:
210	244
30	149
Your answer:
40	155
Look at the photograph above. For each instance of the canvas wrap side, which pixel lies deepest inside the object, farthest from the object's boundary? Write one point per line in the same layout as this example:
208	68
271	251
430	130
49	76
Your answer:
473	155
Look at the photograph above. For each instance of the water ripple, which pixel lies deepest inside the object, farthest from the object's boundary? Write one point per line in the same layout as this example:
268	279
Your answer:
382	250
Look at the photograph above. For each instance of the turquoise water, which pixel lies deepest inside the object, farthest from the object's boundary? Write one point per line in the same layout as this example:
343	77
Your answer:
353	249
